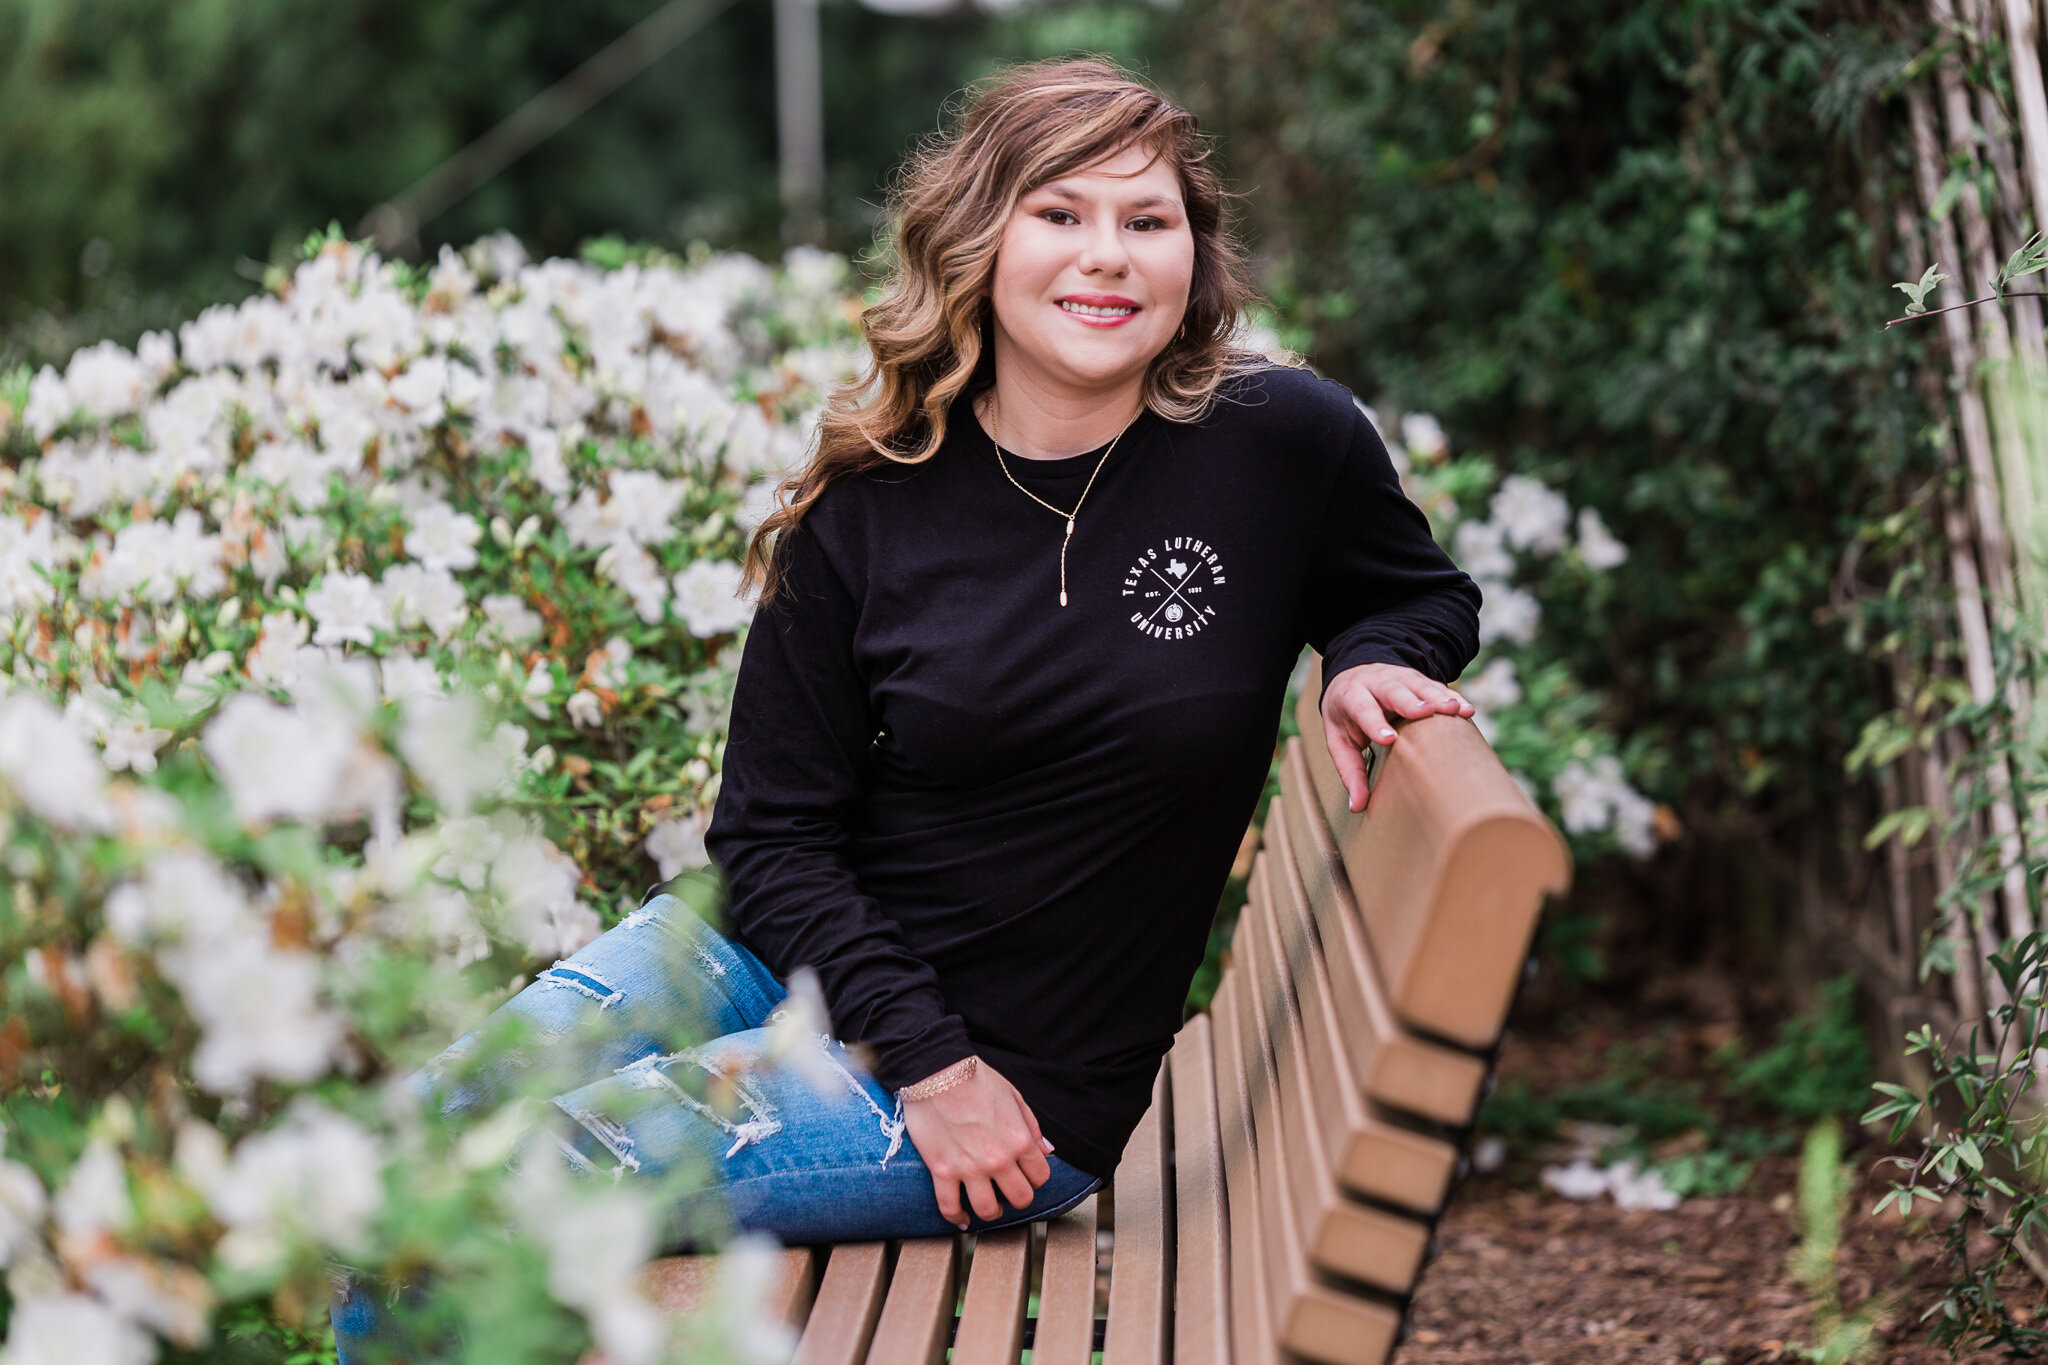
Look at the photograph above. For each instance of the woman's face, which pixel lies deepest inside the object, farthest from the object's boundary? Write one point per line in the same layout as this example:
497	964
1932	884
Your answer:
1092	275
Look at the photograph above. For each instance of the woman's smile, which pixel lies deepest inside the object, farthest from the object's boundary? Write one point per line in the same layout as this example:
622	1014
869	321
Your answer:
1099	310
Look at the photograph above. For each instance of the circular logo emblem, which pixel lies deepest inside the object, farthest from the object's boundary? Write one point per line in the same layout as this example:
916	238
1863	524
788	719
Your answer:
1171	590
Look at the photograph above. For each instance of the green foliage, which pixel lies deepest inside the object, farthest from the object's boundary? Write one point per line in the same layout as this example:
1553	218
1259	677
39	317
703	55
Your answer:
1985	1146
1824	1184
1620	248
1819	1065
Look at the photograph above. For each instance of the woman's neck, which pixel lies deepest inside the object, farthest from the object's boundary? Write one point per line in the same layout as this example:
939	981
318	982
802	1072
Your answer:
1034	423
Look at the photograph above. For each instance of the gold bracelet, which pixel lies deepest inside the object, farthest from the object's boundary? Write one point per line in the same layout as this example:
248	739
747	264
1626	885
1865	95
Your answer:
941	1081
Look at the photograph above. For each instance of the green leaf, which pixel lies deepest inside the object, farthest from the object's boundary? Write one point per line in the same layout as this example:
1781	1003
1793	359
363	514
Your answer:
1909	823
2031	257
1916	294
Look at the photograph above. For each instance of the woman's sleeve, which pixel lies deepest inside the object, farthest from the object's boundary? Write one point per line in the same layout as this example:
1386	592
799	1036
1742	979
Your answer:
1380	589
795	756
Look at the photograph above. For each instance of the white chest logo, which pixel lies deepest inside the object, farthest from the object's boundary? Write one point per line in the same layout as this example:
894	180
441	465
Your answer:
1171	590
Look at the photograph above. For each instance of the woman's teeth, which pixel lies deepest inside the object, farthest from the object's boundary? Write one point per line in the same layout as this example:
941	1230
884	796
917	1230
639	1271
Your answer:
1090	310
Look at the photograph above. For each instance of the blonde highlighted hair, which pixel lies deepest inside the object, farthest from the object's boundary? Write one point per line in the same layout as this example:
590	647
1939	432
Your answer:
948	206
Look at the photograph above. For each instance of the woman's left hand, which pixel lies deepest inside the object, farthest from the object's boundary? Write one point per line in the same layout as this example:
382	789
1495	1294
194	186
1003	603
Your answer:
1355	706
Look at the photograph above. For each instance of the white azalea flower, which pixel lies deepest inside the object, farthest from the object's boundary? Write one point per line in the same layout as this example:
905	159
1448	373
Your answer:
415	595
277	761
443	538
94	1198
281	653
70	1329
347	609
1479	548
132	743
403	675
1597	545
441	737
259	1013
50	766
1507	613
1494	686
584	709
708	598
182	896
1597	796
637	574
469	844
536	883
317	1177
1531	514
510	617
22	1203
677	842
1423	435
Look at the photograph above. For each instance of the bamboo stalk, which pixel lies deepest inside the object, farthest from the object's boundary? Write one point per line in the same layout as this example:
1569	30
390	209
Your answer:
1978	451
2017	399
1984	516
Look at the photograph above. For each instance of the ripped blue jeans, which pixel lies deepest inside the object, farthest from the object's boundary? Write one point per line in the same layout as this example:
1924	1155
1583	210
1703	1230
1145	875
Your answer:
822	1157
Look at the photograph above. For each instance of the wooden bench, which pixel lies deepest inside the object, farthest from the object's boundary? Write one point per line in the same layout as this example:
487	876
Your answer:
1279	1198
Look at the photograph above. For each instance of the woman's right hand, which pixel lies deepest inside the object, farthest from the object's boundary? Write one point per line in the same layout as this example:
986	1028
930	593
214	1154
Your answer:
982	1136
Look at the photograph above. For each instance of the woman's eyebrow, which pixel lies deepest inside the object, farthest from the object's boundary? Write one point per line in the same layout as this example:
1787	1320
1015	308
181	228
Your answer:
1149	201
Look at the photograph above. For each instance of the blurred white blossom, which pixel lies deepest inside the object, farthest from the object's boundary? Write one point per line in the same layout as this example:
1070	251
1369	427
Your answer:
1597	545
72	1329
1531	514
677	842
708	598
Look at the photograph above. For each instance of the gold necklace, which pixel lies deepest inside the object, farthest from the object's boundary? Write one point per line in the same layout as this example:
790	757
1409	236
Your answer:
1041	501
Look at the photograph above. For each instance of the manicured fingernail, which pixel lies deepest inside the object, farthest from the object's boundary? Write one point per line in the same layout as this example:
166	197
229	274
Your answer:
961	1226
1046	1143
1386	734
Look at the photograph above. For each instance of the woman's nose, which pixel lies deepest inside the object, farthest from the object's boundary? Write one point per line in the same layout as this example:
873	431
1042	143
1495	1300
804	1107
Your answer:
1104	250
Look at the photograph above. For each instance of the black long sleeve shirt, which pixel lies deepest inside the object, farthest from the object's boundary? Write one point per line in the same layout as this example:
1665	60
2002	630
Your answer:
997	825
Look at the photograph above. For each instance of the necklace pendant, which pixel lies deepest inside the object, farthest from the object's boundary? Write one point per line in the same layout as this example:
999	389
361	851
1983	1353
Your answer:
1063	597
1070	526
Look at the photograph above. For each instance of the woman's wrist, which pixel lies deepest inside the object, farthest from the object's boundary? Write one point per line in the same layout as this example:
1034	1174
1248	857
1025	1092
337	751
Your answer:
941	1081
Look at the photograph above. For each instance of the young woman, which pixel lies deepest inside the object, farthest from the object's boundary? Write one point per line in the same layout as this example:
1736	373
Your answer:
1009	698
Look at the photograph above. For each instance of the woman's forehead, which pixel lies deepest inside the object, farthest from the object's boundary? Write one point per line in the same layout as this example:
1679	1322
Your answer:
1134	174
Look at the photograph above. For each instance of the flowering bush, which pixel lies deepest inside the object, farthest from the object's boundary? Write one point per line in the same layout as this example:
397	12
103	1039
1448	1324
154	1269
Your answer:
363	645
1545	724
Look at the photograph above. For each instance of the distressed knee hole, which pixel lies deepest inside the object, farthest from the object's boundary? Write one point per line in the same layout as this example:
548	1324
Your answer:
584	982
610	1136
651	1073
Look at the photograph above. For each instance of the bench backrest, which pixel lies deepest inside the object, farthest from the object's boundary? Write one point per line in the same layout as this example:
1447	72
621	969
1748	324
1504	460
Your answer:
1369	976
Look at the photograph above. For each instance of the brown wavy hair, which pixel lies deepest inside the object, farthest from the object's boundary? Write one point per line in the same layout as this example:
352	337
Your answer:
928	335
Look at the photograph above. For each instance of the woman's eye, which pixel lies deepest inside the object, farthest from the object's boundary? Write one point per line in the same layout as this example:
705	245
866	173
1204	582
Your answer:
1149	223
1062	212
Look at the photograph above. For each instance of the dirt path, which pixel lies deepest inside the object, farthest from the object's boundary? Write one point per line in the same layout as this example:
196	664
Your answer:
1527	1276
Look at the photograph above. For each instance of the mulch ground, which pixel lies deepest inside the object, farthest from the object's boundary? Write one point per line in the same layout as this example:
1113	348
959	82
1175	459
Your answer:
1527	1276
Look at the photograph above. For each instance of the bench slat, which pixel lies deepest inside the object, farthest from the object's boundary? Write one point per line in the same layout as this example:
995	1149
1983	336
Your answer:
681	1284
849	1301
1339	1233
1305	1317
1201	1281
1449	870
1395	1067
1251	1315
1066	1290
1141	1266
1371	1154
991	1328
917	1315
